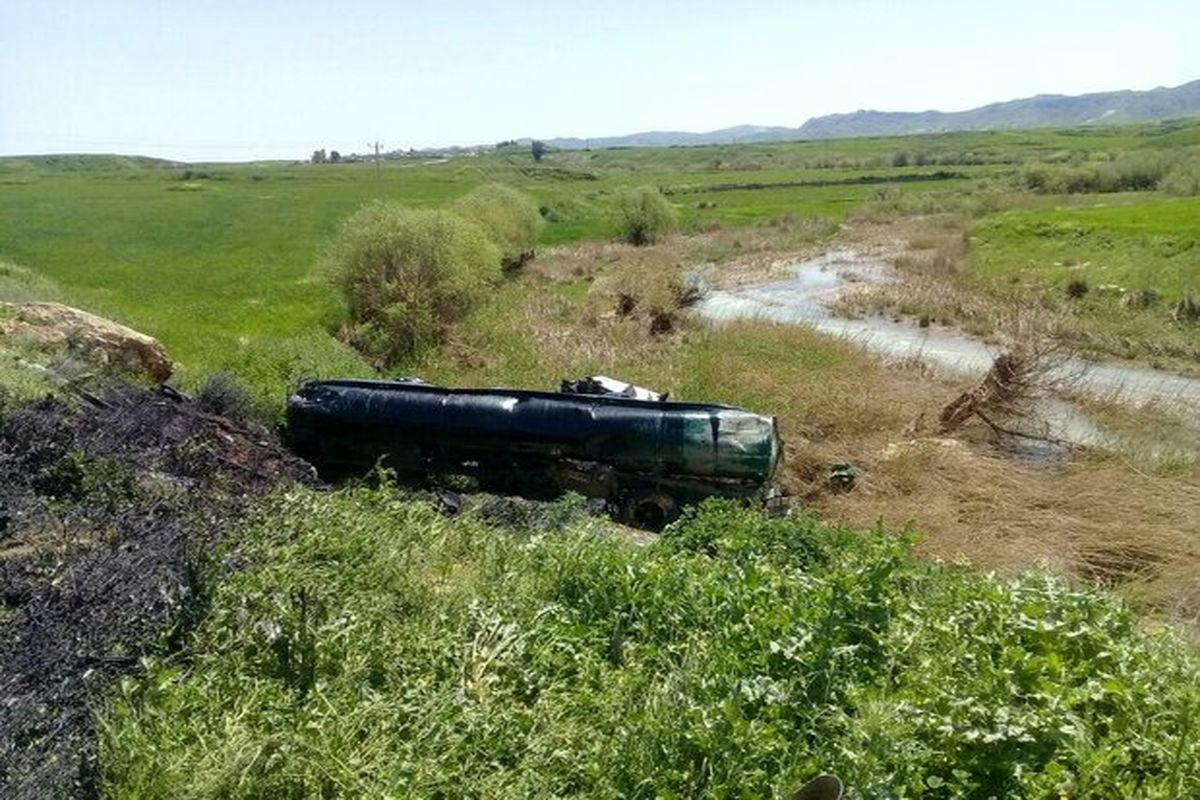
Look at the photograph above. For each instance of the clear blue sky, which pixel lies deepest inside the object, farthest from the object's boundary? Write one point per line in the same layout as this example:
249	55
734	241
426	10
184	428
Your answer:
197	79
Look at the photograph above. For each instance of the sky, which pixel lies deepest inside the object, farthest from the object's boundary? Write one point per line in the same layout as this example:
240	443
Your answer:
216	80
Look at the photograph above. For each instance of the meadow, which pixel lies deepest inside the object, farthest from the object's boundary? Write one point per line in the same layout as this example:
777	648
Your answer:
217	261
960	625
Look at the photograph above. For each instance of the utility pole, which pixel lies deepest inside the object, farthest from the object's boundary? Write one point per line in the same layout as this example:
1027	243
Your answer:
378	165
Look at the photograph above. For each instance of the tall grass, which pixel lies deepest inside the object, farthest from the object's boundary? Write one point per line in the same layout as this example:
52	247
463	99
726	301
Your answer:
375	649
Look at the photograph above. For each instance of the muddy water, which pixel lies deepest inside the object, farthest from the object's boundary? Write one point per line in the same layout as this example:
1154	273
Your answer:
805	295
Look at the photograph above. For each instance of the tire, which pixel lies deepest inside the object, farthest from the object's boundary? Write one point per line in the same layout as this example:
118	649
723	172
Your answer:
649	510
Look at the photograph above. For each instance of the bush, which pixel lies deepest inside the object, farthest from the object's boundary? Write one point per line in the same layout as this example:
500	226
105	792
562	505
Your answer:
510	218
1127	173
407	275
224	395
643	215
1183	179
1135	172
1076	289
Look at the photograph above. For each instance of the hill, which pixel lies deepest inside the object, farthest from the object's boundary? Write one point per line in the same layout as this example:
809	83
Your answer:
1040	111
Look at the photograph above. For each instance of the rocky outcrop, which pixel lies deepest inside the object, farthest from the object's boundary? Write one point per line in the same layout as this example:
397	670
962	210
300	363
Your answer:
85	336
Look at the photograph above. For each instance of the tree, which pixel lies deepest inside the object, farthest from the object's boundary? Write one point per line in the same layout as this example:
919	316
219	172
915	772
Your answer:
335	156
537	149
643	215
509	217
318	156
407	275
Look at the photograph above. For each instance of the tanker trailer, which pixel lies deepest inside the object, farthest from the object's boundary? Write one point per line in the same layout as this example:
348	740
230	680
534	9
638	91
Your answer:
645	457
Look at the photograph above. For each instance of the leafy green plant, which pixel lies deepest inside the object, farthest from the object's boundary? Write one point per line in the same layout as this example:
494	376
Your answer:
644	215
510	218
375	648
406	275
1183	179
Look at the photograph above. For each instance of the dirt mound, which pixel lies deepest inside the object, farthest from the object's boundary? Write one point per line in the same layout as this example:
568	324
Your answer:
89	337
108	505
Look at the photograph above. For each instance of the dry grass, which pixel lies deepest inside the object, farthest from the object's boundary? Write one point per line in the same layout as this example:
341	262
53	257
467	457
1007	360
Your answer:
760	248
927	254
999	514
930	300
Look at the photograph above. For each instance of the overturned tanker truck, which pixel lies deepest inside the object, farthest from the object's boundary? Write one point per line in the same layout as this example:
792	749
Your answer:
645	457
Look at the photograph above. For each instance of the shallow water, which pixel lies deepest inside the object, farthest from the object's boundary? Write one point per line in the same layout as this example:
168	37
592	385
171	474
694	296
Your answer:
804	298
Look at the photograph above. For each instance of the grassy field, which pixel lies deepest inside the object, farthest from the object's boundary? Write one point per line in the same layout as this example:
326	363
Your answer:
370	647
1127	247
217	260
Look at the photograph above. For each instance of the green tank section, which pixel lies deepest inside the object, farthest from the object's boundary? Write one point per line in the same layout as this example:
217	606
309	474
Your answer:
536	442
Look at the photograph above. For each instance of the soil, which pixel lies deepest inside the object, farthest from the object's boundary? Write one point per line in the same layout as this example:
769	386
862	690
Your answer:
110	503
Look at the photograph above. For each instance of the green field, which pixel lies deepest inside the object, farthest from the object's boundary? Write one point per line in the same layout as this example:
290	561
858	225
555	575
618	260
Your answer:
217	261
354	642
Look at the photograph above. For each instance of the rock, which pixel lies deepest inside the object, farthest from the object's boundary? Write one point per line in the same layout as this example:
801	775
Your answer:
86	336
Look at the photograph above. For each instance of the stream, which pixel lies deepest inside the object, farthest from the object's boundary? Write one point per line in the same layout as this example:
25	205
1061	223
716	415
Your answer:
805	297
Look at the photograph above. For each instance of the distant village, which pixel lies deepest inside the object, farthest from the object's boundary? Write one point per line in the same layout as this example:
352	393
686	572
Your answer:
533	146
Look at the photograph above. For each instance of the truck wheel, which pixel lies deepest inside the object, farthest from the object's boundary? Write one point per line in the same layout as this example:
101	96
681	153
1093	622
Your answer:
649	510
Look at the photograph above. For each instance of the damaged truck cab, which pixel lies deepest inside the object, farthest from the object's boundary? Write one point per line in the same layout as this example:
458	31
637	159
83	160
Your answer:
645	457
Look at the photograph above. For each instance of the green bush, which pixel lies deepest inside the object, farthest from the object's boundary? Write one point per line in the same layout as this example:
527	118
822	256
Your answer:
1183	179
406	275
643	215
1138	172
510	218
374	648
1127	173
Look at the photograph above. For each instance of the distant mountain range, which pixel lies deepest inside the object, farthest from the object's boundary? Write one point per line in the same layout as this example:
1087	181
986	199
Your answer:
1040	111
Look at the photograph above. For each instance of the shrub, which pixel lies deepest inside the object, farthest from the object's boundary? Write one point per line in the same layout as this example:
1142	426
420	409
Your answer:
1140	298
1134	172
643	215
510	218
408	274
1127	173
1183	179
1186	310
1076	289
224	395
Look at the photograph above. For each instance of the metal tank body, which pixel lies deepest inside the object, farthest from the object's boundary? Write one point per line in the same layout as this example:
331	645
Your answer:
536	443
